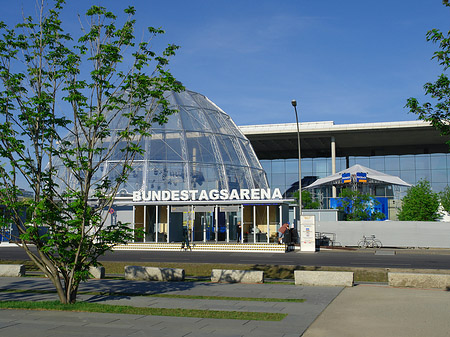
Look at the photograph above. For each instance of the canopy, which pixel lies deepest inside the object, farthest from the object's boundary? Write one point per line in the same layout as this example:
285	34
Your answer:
373	177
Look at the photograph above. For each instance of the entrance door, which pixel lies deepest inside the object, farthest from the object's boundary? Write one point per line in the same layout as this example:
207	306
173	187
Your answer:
232	224
203	226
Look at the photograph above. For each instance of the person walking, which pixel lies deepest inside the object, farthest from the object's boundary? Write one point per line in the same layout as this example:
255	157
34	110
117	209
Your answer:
185	243
281	232
238	232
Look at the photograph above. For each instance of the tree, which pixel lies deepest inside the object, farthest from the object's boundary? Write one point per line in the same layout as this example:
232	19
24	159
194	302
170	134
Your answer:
444	197
420	203
358	206
439	114
308	202
59	102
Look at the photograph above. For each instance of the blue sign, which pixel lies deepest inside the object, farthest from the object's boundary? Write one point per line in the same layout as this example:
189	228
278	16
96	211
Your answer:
361	177
346	178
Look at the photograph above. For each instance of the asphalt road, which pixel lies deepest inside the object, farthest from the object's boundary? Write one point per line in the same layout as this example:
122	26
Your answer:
385	258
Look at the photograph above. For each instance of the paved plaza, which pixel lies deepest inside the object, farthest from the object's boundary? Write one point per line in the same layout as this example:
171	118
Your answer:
363	310
43	323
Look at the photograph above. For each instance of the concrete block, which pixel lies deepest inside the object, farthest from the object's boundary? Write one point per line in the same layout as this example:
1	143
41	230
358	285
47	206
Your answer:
97	272
323	278
413	280
12	270
237	276
153	273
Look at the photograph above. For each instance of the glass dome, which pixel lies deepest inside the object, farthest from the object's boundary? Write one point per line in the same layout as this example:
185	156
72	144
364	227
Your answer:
199	148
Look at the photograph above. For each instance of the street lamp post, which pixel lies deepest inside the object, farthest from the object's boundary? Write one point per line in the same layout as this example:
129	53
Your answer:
294	104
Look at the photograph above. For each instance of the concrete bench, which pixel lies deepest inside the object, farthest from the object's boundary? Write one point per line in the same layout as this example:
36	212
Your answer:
237	276
12	270
323	278
153	273
413	280
97	272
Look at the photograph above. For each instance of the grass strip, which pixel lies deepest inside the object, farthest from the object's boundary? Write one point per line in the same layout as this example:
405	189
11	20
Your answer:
191	297
230	298
122	309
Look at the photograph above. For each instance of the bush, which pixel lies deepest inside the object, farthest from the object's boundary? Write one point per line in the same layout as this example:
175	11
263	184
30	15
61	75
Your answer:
308	201
444	196
358	206
420	203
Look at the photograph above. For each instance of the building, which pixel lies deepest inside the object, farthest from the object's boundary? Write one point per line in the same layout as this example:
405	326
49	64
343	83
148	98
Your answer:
411	150
198	176
200	173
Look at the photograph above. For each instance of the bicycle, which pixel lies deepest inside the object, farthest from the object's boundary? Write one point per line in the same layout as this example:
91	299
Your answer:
369	242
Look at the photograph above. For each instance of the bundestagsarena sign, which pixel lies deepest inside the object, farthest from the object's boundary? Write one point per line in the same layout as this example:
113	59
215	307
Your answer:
203	195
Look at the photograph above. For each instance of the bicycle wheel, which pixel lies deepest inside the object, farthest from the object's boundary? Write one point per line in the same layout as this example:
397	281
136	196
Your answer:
377	243
362	244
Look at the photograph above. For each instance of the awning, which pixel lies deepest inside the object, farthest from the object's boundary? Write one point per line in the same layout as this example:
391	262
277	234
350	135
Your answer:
373	177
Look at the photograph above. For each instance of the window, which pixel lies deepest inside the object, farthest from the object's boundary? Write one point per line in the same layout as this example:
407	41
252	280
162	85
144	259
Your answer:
392	163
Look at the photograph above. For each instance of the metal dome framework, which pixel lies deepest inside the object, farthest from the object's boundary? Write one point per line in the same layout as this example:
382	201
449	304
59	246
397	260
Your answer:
199	148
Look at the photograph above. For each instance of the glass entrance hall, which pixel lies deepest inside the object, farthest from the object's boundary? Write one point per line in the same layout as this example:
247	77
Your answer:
245	223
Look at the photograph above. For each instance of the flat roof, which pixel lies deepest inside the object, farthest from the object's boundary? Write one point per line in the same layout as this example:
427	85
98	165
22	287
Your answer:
279	141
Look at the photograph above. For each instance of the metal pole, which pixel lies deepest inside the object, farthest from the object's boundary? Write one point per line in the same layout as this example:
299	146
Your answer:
294	104
333	162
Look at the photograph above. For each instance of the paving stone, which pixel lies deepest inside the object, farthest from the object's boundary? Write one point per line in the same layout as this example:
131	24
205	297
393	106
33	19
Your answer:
45	323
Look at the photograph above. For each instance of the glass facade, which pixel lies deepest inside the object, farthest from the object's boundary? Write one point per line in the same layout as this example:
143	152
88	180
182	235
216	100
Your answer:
283	173
199	148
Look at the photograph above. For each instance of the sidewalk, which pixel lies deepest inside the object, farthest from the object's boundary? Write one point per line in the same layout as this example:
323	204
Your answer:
43	323
362	311
370	311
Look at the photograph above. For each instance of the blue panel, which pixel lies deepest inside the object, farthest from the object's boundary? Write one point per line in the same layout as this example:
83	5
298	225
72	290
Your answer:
382	207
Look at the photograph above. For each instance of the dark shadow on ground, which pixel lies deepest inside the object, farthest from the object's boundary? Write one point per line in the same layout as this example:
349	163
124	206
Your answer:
43	289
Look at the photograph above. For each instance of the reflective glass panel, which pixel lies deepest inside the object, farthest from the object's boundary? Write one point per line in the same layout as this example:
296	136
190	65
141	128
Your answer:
423	175
407	163
439	176
377	163
392	163
438	161
292	166
422	162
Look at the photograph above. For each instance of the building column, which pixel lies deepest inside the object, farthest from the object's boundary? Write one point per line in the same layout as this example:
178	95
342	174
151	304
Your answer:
254	224
280	209
168	223
203	223
216	225
333	162
145	223
242	223
268	223
157	224
134	219
191	222
227	223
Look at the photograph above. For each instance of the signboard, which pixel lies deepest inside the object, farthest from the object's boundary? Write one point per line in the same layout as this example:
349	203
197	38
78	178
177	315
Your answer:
361	177
204	209
180	209
203	195
308	233
346	178
229	208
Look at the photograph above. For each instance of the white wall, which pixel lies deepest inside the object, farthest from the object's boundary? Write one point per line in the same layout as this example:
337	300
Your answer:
390	233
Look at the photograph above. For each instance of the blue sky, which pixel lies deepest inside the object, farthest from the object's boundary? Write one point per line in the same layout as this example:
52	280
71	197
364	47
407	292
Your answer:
347	61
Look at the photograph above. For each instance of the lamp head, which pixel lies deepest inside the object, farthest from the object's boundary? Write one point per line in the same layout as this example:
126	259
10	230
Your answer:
294	103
